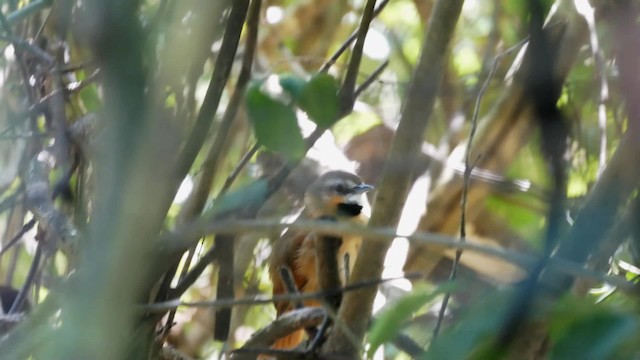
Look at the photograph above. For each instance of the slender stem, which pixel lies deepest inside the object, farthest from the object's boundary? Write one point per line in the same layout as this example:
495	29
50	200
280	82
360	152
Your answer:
345	45
347	92
384	234
468	169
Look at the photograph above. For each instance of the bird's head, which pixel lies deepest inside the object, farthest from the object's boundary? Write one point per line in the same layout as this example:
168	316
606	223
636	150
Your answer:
337	193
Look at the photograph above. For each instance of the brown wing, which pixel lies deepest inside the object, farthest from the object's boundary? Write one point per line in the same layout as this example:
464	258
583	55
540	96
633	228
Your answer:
291	250
297	252
287	252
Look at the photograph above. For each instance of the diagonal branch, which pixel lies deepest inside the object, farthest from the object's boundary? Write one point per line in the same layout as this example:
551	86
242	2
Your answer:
347	92
356	307
218	81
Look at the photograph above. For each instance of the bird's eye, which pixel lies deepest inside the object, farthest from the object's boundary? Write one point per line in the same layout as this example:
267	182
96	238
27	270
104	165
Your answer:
341	188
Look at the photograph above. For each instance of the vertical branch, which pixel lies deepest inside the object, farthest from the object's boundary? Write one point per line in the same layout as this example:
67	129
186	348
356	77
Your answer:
212	97
345	45
126	215
543	89
198	198
468	169
356	307
586	10
346	94
622	174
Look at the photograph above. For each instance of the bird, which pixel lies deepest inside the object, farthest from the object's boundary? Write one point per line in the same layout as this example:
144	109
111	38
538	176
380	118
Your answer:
339	196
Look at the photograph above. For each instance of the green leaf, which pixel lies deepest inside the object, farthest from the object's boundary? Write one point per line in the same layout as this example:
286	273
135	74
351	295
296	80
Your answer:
476	325
242	198
275	124
319	99
293	85
583	330
595	337
389	322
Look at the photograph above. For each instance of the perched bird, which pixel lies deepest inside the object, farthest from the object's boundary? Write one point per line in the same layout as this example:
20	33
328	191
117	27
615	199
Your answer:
336	195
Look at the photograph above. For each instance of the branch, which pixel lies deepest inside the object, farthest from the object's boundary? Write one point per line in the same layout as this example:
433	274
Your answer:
345	45
588	13
381	236
281	327
198	197
25	228
222	69
356	307
467	174
622	174
370	79
347	92
27	10
261	300
33	270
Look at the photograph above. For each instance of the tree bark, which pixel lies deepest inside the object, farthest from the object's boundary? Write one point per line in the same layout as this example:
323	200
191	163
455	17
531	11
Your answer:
356	307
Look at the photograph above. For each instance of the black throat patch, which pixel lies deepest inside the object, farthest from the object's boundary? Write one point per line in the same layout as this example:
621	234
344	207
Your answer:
349	209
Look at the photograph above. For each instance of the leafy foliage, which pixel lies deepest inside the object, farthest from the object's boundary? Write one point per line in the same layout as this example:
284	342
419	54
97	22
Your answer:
319	99
275	124
390	322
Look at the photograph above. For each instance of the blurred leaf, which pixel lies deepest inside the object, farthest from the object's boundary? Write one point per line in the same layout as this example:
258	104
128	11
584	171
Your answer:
241	198
292	84
583	330
595	337
472	330
319	99
390	321
275	124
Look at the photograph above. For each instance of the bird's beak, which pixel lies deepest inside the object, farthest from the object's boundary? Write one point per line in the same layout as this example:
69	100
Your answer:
362	188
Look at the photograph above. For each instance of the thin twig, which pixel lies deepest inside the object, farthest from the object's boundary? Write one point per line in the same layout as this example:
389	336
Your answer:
586	10
25	45
209	165
347	91
370	79
27	10
192	276
168	324
201	193
383	234
236	171
468	168
25	228
221	72
43	104
35	265
345	45
225	243
261	300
